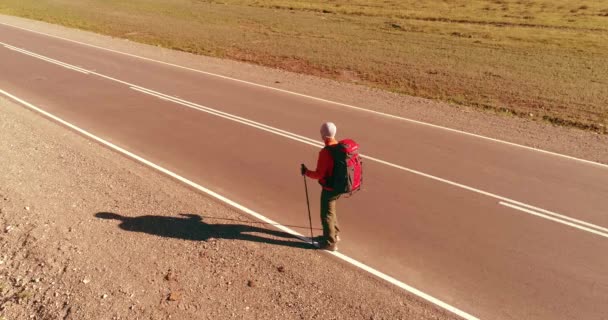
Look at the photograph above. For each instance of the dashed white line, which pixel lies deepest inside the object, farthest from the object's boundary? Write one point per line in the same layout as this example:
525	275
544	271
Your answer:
244	209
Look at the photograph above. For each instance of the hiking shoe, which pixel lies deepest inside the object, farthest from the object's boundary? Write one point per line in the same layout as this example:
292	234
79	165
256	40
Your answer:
329	247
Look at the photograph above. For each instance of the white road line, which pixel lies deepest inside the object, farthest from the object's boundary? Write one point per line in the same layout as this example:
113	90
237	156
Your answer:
63	64
538	214
314	143
227	115
193	106
559	216
244	209
311	142
315	98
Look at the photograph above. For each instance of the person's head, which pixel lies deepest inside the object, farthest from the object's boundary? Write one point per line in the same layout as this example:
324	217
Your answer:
328	131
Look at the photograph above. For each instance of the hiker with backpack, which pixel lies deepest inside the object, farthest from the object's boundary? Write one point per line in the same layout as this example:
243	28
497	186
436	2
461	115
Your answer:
339	172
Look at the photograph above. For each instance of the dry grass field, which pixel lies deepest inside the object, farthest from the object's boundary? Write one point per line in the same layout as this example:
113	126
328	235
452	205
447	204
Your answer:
544	59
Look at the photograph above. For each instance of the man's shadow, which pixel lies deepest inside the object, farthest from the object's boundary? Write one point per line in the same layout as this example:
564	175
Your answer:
192	227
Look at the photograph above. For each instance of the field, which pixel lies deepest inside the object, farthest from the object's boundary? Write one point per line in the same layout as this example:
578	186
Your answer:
542	59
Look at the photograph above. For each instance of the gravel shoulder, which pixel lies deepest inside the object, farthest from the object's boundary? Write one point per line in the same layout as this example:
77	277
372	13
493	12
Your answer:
86	233
504	126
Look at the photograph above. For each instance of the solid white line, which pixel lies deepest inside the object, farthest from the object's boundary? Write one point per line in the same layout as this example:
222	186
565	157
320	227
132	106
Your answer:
227	115
311	142
221	116
65	65
559	216
489	194
538	214
193	106
314	143
316	98
244	209
62	64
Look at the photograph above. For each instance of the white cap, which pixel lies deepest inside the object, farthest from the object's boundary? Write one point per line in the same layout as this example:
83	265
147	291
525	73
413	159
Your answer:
328	130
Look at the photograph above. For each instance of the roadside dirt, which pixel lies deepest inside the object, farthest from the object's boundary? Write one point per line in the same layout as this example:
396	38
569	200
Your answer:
86	233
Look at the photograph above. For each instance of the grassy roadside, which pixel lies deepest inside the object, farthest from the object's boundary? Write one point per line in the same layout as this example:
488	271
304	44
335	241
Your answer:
544	59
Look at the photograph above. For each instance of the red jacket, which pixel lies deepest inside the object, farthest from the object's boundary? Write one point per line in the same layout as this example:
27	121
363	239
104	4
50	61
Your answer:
325	165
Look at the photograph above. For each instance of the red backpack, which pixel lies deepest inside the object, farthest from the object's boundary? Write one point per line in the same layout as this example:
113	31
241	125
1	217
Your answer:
348	168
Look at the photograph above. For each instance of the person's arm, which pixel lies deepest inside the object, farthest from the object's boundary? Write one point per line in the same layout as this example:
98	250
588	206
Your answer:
322	165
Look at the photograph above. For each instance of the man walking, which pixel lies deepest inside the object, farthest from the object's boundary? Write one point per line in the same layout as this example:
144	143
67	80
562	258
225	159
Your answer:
323	173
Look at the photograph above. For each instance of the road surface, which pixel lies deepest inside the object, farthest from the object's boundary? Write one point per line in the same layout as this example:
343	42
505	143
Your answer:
493	229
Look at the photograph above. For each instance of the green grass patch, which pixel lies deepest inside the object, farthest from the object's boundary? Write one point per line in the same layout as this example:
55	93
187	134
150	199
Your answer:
541	57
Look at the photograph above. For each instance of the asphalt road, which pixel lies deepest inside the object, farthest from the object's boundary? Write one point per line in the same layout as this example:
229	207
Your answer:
496	230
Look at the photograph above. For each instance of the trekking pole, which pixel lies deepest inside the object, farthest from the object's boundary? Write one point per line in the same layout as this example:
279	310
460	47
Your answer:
309	217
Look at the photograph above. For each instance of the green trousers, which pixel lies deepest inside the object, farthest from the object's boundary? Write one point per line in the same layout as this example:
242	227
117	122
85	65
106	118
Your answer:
329	219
